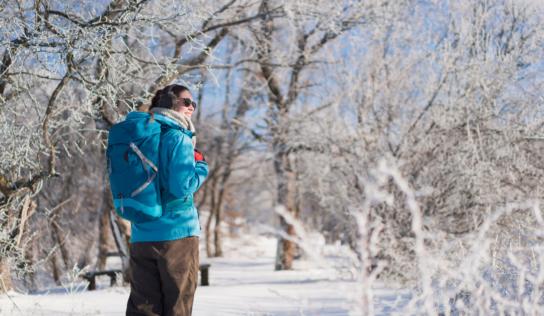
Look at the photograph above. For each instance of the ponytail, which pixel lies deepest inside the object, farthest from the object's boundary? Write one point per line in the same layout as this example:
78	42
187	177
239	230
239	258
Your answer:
156	98
154	103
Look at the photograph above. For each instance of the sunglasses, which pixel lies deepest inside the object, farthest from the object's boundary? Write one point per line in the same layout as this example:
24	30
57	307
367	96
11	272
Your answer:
187	102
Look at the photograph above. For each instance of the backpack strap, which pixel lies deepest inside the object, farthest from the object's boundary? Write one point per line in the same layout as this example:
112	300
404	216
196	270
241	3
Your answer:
145	162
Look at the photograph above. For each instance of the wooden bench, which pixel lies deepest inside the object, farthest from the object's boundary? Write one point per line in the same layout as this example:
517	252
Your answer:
91	277
204	274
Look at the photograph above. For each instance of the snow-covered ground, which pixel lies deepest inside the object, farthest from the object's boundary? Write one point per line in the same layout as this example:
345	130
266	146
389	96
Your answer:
242	283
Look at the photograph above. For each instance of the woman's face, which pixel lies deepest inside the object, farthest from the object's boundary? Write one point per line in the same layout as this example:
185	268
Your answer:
187	111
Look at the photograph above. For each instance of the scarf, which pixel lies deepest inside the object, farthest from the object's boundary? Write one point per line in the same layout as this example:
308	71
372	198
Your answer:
178	117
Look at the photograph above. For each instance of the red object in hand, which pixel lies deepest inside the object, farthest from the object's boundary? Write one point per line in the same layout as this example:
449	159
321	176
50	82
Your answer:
199	156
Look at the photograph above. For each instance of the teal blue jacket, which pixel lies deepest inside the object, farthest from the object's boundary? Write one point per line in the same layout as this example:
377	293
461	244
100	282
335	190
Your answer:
180	176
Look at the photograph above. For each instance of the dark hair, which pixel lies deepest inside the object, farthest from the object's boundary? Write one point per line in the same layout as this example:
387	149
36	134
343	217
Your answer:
176	89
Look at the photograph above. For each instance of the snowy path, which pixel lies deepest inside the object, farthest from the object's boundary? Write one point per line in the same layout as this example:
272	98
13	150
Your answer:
253	288
242	284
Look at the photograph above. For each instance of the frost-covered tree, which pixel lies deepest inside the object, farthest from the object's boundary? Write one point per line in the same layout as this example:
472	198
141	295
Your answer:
69	70
284	51
326	88
432	89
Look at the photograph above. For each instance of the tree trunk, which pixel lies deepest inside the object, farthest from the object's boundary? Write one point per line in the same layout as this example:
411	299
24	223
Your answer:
15	238
4	275
103	123
285	183
209	241
24	215
298	252
217	230
29	278
56	274
219	212
125	229
121	242
286	248
213	209
103	224
59	239
4	263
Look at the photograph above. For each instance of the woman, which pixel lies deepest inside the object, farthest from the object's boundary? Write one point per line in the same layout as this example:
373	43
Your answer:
164	252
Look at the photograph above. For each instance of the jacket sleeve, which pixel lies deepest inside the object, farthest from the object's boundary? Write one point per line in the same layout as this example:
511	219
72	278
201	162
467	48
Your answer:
185	176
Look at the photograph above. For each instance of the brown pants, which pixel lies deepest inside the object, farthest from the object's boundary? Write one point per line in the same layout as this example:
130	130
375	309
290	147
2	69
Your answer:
164	275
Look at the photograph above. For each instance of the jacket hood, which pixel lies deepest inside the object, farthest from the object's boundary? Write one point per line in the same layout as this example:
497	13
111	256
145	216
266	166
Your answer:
161	119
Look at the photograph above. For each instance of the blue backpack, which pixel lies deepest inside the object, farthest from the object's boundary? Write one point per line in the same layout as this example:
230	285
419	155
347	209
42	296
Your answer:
133	157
